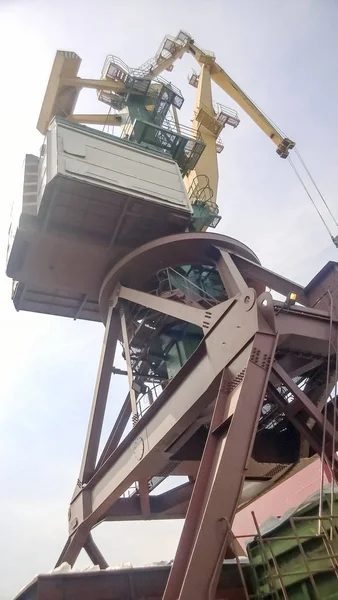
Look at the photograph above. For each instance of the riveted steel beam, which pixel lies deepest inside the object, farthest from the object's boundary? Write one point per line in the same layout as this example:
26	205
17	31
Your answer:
204	539
181	311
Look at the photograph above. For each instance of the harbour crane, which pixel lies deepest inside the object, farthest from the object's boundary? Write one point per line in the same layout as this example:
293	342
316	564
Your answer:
226	385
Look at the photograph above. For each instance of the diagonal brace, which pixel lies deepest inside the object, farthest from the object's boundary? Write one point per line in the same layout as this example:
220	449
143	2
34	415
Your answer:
301	400
193	315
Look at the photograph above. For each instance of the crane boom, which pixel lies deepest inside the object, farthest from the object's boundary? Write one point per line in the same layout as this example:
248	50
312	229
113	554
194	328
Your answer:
228	85
64	82
166	64
224	81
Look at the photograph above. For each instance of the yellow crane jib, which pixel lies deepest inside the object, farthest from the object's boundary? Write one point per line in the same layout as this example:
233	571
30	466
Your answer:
224	81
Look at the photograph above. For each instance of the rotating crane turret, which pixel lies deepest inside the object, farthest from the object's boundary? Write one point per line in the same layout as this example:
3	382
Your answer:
144	106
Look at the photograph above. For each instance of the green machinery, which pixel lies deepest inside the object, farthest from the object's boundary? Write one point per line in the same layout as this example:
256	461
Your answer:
147	113
297	558
160	345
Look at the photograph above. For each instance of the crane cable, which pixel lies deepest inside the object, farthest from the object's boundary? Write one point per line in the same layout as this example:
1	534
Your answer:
298	175
316	186
106	121
335	347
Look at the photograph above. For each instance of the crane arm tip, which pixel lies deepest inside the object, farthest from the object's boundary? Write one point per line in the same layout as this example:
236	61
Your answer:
284	147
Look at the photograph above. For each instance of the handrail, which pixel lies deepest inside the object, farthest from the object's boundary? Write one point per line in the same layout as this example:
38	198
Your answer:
218	108
191	284
197	189
163	54
115	60
169	124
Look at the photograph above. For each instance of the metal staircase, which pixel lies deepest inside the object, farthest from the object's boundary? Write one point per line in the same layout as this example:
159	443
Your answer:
147	350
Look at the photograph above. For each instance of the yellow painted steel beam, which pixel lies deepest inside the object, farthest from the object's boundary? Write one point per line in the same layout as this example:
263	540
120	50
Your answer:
166	63
207	164
96	84
96	119
222	79
56	102
63	89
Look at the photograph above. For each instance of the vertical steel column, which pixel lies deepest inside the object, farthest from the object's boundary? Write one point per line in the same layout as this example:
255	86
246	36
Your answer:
220	479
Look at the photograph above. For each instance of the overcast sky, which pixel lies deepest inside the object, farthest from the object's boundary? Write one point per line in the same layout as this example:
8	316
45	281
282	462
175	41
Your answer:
284	55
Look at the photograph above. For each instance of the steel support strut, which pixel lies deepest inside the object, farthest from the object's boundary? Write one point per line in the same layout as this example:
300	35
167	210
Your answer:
295	412
94	553
100	397
219	483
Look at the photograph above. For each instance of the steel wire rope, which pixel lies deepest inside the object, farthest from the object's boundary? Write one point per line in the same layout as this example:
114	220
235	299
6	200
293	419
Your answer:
106	121
334	450
316	186
298	175
322	457
280	131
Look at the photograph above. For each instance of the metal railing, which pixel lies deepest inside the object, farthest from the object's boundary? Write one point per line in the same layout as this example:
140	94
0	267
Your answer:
192	292
185	131
145	400
225	115
111	59
276	578
167	49
276	586
160	79
200	189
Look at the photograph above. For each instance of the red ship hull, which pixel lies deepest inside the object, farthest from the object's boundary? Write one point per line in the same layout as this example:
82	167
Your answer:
288	494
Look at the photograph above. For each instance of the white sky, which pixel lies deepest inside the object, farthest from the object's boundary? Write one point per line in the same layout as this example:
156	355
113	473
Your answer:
284	55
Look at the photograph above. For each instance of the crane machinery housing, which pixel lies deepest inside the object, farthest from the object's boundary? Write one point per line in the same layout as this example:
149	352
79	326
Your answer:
228	386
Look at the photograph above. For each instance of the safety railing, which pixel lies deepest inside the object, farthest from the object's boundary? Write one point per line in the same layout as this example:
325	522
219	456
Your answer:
226	115
171	86
300	566
200	190
174	280
145	400
114	60
169	46
219	145
295	572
